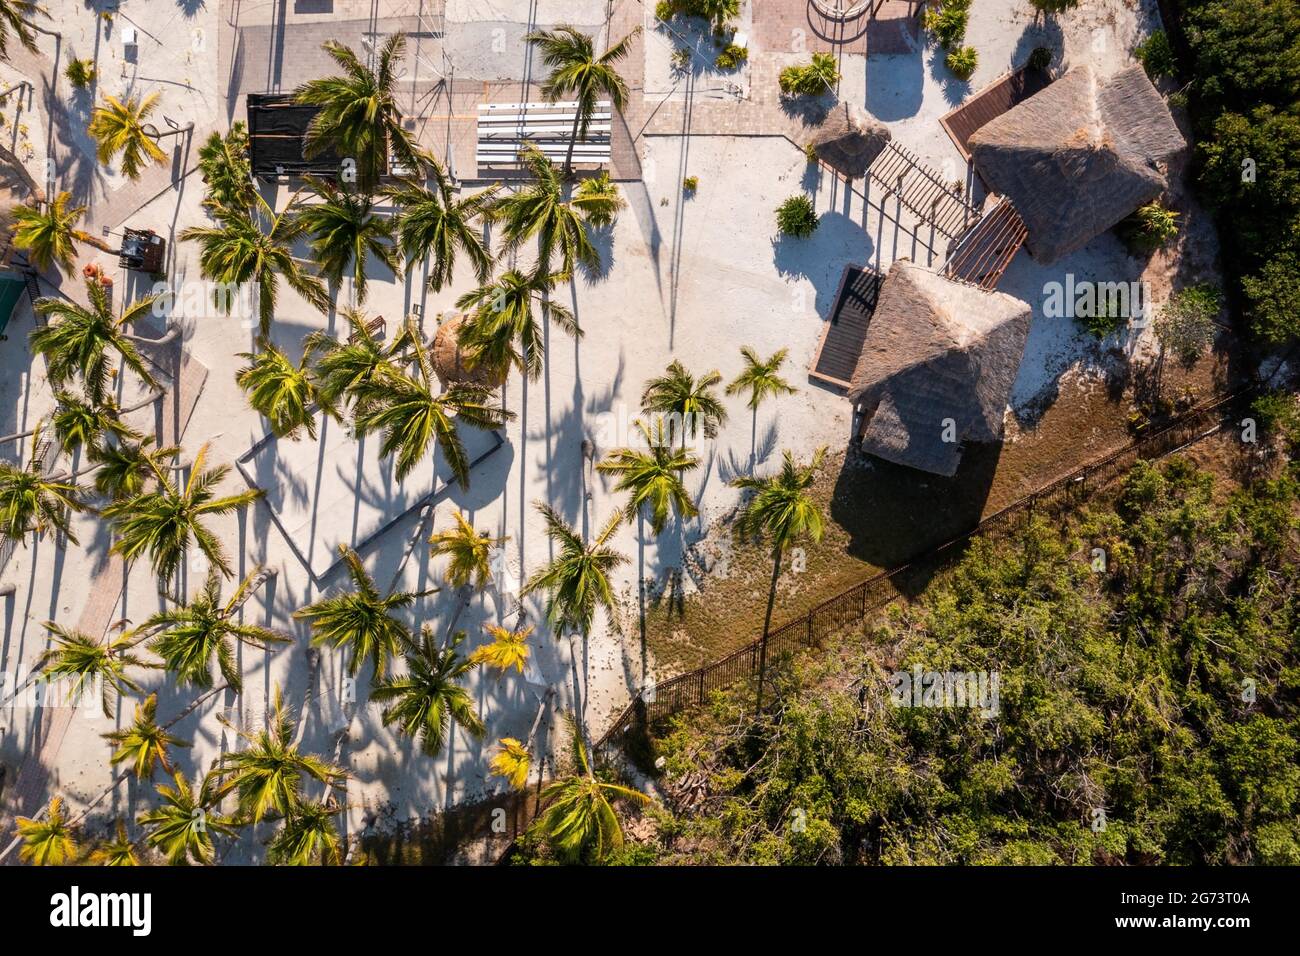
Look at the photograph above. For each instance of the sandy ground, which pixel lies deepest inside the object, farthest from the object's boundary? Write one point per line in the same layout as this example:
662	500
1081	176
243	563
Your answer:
687	278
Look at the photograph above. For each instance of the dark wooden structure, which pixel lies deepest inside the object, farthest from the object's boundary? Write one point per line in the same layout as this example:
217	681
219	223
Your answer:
143	250
992	101
277	133
842	338
984	252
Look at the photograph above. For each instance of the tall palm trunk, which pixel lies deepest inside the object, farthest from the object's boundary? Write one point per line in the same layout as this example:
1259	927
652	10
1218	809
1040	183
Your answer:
573	141
767	624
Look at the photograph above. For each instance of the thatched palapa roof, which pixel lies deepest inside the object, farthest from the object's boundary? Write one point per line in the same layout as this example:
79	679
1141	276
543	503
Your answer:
935	350
1078	156
450	360
849	140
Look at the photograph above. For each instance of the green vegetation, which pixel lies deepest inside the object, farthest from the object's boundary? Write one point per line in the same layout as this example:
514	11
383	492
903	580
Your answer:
718	12
1149	228
1185	326
962	62
797	217
1156	55
1054	6
80	73
690	184
1146	711
817	77
1245	104
732	57
1040	58
1279	416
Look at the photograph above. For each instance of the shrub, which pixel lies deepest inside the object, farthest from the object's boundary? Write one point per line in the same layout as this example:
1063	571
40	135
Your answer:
962	62
80	73
1103	321
810	151
665	10
1040	59
717	12
1273	297
797	217
947	24
1185	325
690	184
1054	6
1149	228
731	57
819	76
1156	55
1279	413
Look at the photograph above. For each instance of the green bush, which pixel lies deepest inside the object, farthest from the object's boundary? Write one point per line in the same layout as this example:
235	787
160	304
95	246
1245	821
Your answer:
947	24
1185	325
797	217
1040	59
962	62
810	151
1273	299
1156	55
1279	414
690	184
1149	228
717	12
819	76
80	73
1103	321
1054	6
731	58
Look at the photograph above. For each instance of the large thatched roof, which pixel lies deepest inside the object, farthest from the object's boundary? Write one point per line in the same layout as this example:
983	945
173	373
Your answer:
1078	156
936	350
849	139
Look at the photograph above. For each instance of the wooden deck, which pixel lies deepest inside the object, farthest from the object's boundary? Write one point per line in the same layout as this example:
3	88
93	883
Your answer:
984	252
991	102
846	330
922	190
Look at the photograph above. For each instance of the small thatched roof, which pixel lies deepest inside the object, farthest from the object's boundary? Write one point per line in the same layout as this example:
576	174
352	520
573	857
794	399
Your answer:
849	140
449	360
935	350
1078	156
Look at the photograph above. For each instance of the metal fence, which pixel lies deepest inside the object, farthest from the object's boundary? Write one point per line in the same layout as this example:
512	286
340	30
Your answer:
854	604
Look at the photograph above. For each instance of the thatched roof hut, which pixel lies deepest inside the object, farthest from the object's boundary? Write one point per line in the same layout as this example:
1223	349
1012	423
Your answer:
449	359
849	140
937	367
1078	156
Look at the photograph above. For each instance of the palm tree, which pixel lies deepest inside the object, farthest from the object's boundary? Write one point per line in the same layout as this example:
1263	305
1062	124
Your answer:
362	619
599	199
309	837
197	640
781	510
86	661
576	581
31	502
508	649
144	743
123	468
117	851
51	841
50	235
345	230
577	73
513	762
423	702
579	819
268	773
227	174
503	314
183	824
346	369
16	15
281	392
119	129
256	245
433	224
79	423
653	477
541	210
470	553
761	379
409	412
77	340
165	522
686	401
358	116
